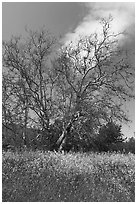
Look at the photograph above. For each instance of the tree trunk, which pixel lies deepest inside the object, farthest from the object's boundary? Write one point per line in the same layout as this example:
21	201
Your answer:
61	142
25	124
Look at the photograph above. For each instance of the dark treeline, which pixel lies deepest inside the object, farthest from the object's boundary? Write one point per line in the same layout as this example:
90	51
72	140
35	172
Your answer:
66	97
39	140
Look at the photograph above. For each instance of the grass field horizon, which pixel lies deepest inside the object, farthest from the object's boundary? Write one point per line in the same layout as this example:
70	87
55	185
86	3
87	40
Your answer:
68	177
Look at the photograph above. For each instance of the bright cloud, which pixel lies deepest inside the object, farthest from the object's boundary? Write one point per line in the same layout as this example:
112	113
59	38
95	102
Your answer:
123	18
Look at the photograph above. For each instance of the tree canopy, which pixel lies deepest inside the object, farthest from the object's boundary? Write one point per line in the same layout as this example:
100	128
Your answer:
83	84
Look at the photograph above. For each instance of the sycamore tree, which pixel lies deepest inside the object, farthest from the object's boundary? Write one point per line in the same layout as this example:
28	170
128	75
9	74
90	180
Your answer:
95	78
78	89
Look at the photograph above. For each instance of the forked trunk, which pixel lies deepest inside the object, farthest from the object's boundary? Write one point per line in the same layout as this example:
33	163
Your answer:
62	139
61	142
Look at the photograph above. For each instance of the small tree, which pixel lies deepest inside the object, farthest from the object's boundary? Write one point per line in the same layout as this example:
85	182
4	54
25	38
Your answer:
130	145
109	134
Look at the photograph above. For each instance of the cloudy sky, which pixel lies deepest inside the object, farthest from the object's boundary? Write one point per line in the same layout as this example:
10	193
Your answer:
70	19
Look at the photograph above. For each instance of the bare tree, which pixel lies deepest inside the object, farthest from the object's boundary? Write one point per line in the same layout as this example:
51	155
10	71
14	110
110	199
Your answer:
95	78
28	60
87	83
12	107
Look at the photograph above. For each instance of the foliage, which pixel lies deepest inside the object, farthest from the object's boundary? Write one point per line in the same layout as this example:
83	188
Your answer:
108	135
130	145
55	177
77	141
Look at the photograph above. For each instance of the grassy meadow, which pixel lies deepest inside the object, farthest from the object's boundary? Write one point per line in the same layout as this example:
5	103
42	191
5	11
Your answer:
73	177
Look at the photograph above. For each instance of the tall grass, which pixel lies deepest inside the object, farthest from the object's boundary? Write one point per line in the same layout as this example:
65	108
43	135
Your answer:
50	176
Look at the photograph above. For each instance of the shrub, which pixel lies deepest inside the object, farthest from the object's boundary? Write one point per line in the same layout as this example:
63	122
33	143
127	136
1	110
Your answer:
109	135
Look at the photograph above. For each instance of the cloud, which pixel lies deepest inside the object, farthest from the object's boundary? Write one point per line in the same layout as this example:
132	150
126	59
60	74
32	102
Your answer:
123	19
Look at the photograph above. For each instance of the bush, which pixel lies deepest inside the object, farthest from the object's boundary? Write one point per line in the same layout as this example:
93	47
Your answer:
130	145
109	135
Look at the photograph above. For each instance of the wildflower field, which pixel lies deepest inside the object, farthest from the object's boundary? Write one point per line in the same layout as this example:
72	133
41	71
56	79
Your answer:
49	176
